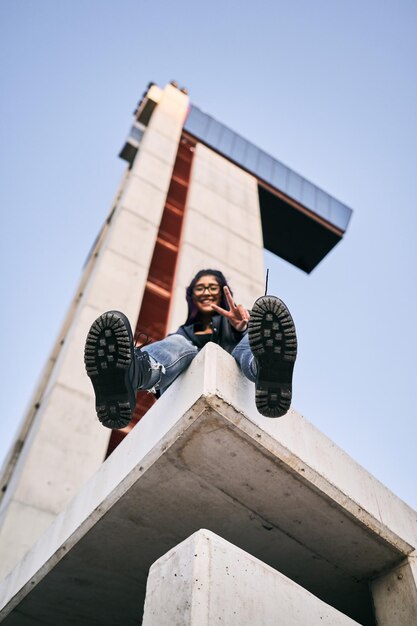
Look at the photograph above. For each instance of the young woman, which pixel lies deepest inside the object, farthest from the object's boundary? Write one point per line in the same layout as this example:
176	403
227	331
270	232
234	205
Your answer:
263	342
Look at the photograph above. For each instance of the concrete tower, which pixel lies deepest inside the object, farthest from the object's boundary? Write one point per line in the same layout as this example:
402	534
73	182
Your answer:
195	194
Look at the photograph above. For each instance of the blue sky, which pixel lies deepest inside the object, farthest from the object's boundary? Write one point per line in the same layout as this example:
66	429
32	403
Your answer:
329	88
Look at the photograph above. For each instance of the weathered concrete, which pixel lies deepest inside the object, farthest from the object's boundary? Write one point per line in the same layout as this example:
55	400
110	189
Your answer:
206	580
203	457
395	594
62	444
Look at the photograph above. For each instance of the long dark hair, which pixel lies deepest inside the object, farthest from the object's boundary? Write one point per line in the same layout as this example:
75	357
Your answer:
192	309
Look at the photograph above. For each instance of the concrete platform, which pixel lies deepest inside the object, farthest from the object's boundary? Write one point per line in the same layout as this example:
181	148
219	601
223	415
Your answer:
206	580
203	457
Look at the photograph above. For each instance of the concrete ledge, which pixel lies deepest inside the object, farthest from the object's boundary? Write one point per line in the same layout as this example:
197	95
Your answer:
206	580
203	457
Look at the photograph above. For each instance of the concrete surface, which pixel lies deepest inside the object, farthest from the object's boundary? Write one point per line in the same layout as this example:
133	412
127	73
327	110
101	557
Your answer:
395	594
203	457
206	580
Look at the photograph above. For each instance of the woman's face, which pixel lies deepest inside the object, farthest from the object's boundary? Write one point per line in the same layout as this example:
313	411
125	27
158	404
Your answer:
206	292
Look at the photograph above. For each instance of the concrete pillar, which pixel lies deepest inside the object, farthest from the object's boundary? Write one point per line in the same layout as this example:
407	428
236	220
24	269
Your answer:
206	580
61	443
395	594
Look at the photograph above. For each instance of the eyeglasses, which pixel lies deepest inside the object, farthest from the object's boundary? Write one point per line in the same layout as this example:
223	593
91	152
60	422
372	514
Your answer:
213	288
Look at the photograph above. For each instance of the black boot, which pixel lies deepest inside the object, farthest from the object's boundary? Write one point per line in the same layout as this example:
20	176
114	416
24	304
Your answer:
273	342
116	369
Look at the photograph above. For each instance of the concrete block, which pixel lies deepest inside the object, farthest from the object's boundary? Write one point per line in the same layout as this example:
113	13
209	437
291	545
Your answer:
69	371
206	202
17	536
155	93
169	116
117	283
216	162
62	457
153	170
175	98
241	196
230	250
168	122
206	580
144	199
225	179
133	237
159	145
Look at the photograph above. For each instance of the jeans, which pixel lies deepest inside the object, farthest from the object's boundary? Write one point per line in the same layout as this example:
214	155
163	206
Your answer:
172	355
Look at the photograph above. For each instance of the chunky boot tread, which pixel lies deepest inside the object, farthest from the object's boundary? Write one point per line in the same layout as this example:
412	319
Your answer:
109	361
273	341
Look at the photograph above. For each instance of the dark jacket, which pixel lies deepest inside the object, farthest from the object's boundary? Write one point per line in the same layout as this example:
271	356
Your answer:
223	334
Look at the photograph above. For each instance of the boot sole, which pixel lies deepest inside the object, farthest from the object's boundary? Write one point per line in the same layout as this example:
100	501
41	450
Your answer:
107	357
273	342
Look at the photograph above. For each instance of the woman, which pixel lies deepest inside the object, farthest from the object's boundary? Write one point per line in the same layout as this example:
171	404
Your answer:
263	342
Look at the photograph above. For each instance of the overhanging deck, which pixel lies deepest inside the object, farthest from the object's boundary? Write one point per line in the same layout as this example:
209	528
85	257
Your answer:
301	223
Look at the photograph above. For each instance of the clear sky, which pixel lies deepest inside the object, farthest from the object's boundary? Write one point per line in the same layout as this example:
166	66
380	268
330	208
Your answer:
327	87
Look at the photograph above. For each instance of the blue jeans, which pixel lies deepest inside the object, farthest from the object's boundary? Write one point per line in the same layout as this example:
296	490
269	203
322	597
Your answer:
172	355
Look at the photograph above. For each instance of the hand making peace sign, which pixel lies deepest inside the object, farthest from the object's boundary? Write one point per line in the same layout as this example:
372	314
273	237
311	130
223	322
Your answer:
237	315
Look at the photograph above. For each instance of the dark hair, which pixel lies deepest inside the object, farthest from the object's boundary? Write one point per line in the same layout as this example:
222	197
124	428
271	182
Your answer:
192	309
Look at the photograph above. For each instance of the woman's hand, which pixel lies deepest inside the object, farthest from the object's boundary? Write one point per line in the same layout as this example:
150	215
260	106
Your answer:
237	315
